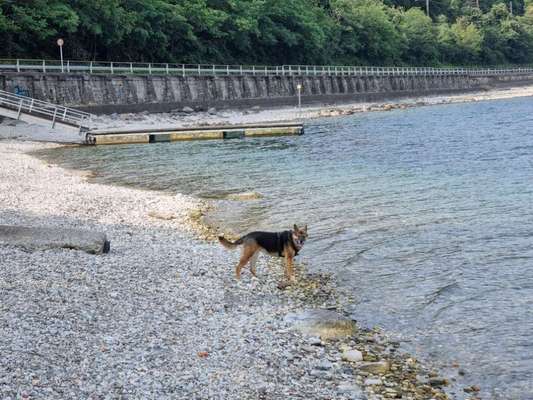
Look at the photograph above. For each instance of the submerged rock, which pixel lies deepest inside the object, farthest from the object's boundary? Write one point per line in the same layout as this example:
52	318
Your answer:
438	382
472	389
244	196
325	324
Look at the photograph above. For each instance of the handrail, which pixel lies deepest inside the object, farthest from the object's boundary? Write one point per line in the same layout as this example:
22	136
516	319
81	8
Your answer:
55	113
132	68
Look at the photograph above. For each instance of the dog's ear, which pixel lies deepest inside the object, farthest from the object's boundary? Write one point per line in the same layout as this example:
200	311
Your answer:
295	228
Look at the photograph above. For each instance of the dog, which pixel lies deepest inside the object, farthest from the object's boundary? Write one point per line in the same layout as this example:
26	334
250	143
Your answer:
281	244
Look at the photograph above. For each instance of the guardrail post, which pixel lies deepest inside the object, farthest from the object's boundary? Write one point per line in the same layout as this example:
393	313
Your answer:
112	68
54	118
131	68
266	73
253	69
227	69
91	67
44	66
241	69
166	67
199	70
183	70
18	65
20	108
68	66
150	68
31	105
214	73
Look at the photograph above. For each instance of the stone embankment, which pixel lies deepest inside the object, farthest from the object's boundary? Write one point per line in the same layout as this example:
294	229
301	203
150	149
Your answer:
163	93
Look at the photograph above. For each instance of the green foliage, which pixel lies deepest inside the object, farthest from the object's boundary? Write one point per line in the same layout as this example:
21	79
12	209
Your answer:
366	33
420	37
348	32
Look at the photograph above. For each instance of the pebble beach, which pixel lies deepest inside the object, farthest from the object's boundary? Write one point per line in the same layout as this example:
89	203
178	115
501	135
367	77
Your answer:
161	315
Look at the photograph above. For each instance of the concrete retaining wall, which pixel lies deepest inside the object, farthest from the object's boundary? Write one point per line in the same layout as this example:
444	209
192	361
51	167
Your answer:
160	93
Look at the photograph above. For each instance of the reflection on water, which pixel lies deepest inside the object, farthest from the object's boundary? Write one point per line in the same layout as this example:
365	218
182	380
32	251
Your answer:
425	215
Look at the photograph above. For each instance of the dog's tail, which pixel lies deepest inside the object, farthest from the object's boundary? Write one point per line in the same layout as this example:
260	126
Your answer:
229	245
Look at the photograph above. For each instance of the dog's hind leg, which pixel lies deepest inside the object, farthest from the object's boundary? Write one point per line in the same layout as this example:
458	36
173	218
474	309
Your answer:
247	254
253	260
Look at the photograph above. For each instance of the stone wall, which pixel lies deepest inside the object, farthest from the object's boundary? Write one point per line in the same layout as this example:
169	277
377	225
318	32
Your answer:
130	93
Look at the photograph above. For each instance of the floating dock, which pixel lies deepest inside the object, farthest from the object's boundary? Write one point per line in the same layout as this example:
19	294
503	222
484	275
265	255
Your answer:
145	135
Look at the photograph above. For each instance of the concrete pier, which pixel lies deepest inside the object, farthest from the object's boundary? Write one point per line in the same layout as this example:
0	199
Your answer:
108	137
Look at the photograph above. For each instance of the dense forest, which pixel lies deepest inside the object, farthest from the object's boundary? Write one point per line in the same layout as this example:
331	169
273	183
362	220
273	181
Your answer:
347	32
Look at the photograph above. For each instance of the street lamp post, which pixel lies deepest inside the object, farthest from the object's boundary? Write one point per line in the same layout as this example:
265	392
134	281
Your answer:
60	43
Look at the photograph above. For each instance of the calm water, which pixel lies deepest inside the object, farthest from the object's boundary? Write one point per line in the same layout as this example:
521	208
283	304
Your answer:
426	215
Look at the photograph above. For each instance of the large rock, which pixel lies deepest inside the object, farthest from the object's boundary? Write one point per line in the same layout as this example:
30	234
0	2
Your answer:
352	355
243	196
325	324
376	367
42	238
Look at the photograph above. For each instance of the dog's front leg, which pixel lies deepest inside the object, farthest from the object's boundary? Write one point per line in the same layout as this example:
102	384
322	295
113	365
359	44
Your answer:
289	272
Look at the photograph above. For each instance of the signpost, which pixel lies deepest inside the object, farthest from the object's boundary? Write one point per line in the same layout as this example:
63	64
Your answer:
60	43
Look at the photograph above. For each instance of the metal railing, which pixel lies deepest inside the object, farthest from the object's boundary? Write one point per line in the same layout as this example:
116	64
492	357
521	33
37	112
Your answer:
42	109
130	68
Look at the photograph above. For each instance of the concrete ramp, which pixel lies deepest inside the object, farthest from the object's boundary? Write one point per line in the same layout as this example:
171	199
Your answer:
51	118
44	238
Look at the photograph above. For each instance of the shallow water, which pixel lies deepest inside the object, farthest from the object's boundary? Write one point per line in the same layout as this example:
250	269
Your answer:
425	215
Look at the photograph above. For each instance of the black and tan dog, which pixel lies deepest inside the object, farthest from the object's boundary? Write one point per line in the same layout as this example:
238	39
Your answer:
282	244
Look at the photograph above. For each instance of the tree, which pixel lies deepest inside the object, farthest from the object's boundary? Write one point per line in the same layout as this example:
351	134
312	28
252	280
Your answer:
366	32
420	38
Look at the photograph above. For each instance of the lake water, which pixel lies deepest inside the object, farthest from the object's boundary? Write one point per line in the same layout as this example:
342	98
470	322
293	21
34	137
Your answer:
425	215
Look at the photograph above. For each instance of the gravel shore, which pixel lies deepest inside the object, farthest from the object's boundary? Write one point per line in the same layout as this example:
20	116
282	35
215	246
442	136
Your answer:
161	316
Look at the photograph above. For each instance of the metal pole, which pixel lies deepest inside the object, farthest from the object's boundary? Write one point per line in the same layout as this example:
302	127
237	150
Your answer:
427	7
61	54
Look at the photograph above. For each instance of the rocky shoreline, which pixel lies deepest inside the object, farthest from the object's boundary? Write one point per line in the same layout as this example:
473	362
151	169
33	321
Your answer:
162	316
